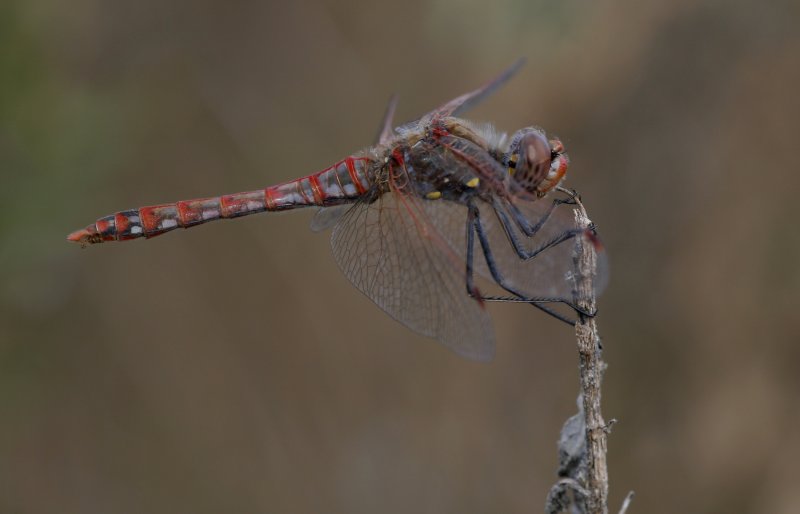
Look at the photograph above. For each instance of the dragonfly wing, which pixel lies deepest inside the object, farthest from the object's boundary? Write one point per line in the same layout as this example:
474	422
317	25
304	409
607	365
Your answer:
326	217
468	100
454	229
550	273
547	275
386	130
392	253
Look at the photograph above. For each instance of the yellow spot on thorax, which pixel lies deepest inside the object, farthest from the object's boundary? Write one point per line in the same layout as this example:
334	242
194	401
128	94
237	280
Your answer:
473	182
434	195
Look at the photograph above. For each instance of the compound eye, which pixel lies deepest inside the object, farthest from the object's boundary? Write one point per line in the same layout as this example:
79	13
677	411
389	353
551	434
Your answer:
535	160
538	155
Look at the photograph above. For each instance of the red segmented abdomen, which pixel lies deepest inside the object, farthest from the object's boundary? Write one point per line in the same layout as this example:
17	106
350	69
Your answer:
343	182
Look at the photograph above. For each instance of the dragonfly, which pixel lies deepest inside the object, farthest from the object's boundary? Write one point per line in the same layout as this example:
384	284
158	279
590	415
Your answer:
434	207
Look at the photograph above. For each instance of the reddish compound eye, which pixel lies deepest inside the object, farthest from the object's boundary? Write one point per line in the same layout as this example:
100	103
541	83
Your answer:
532	156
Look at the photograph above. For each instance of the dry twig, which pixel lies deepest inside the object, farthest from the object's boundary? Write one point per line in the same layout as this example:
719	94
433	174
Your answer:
583	442
591	370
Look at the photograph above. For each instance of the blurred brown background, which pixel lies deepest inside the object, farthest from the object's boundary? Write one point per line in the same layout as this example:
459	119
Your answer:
211	370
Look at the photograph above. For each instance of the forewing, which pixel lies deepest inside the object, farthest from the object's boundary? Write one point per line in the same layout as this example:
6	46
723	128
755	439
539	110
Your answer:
393	254
386	130
548	275
468	100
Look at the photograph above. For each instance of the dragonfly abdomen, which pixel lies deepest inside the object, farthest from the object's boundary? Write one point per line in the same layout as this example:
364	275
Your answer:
154	220
343	182
347	179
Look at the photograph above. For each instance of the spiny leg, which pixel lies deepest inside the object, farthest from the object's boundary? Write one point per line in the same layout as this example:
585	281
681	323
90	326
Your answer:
529	230
474	226
519	248
471	290
522	221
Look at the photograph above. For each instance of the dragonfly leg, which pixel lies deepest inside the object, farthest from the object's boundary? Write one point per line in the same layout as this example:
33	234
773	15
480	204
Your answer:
474	226
524	224
471	289
574	196
513	237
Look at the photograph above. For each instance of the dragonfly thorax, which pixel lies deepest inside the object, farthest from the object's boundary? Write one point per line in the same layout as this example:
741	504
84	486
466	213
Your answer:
536	164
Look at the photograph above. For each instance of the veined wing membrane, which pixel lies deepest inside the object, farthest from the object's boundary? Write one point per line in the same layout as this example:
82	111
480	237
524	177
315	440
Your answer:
548	275
468	100
326	217
545	276
390	251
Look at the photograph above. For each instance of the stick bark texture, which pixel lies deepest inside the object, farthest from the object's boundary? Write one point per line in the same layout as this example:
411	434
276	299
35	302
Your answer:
591	370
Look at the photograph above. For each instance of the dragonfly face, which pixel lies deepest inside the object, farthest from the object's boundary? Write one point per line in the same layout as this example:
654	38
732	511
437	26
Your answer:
536	164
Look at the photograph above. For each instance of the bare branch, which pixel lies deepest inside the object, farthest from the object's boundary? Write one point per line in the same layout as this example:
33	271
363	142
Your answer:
591	367
583	442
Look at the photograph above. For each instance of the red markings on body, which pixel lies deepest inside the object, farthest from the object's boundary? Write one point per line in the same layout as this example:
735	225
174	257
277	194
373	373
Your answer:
269	199
228	206
301	191
84	236
190	212
316	189
122	224
365	165
562	168
351	170
235	204
151	217
397	155
440	131
334	170
106	230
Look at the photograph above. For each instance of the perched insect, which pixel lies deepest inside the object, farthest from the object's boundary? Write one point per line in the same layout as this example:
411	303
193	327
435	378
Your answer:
407	213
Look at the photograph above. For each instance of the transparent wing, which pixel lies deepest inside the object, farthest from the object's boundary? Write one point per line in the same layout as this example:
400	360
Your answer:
326	217
464	102
468	100
547	275
393	254
386	130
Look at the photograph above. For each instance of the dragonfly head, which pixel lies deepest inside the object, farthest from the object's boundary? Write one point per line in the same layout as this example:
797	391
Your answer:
536	164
